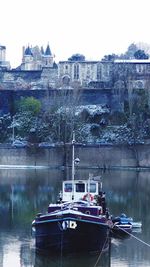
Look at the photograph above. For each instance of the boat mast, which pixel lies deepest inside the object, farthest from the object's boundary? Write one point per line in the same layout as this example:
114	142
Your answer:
73	163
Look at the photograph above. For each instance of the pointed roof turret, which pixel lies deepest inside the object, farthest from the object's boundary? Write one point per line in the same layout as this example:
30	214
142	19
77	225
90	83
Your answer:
28	52
48	51
55	65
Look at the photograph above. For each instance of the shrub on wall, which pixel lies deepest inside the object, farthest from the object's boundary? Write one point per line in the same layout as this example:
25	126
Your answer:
29	104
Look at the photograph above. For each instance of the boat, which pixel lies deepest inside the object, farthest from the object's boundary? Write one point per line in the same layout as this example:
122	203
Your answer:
124	225
79	221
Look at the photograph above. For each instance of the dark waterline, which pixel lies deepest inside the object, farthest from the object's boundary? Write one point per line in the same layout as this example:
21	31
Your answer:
25	192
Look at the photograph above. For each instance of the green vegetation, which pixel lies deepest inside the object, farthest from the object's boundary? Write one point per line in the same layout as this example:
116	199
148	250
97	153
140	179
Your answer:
29	104
98	125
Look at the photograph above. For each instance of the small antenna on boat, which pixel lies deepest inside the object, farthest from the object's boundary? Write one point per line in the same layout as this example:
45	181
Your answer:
74	162
73	167
90	176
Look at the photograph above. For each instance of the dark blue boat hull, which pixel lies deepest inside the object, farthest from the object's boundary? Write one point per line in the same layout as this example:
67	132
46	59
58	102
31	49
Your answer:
86	236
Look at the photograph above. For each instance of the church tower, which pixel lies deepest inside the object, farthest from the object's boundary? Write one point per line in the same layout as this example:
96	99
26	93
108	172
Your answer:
35	58
27	60
47	57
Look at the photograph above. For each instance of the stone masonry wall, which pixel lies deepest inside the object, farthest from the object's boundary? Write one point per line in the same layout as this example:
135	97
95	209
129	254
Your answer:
90	156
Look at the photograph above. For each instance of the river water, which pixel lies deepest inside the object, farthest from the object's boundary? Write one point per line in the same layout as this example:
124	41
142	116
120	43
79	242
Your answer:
25	192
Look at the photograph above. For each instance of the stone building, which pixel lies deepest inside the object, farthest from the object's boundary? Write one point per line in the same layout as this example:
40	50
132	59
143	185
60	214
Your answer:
133	73
84	72
115	74
35	58
38	70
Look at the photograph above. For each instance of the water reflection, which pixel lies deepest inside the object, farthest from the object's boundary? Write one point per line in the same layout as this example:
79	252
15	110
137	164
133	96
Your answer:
23	193
80	260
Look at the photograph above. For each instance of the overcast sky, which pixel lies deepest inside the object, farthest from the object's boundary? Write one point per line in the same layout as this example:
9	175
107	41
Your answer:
90	27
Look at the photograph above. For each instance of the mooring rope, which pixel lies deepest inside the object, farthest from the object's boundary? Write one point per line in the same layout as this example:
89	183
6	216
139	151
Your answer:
101	251
138	239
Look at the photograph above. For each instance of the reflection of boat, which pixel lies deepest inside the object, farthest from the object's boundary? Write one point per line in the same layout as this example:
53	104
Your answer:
78	222
136	225
43	258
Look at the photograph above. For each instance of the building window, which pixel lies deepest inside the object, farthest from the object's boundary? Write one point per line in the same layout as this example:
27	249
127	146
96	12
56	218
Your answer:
99	74
66	80
139	68
148	68
66	69
106	70
76	71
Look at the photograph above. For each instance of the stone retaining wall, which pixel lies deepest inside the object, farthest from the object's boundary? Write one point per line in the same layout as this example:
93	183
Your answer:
104	156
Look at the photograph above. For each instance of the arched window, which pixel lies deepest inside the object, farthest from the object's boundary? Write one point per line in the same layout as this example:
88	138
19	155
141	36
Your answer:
76	71
99	74
66	80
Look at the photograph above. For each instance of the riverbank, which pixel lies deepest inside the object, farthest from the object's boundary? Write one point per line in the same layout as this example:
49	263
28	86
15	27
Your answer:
91	156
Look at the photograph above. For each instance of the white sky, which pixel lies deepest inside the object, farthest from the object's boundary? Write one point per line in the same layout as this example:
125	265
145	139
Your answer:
90	27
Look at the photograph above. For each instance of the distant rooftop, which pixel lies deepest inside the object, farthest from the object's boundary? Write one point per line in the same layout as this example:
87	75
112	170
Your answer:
79	61
132	60
28	51
2	46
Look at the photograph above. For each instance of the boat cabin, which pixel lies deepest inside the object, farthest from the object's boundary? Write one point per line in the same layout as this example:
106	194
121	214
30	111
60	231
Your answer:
80	190
83	195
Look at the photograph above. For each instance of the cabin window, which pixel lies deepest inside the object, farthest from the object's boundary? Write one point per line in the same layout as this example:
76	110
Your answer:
80	187
92	188
68	187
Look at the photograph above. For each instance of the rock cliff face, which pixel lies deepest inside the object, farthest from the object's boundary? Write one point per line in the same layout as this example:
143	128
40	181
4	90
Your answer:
50	96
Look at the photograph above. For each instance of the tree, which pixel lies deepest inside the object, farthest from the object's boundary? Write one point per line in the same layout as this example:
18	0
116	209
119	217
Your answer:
140	54
63	116
29	104
110	57
123	74
5	131
77	57
131	51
